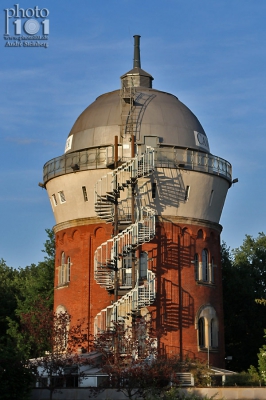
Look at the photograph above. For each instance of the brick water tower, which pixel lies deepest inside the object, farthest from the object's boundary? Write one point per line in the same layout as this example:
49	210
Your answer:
137	198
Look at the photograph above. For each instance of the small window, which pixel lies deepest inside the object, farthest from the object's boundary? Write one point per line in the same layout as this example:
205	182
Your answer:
211	197
200	234
84	191
62	196
187	193
54	199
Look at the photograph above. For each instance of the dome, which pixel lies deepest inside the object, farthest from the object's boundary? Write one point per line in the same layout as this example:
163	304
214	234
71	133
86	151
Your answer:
164	117
156	114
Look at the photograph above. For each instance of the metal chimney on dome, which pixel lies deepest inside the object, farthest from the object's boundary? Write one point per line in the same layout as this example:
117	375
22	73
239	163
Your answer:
136	60
136	77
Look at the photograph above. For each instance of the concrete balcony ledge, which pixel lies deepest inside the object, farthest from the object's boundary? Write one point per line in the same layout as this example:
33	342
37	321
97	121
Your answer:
165	157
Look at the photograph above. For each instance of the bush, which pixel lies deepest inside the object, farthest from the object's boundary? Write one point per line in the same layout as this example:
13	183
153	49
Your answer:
243	379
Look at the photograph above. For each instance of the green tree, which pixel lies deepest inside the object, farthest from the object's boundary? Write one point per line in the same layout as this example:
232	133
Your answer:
15	373
21	291
37	281
244	280
34	291
61	365
130	359
8	296
262	363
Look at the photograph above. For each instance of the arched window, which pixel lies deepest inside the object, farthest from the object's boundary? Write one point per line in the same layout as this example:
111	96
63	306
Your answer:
201	330
205	266
200	234
207	325
64	270
62	322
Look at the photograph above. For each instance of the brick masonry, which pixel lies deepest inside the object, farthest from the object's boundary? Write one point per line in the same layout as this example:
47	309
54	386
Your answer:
175	312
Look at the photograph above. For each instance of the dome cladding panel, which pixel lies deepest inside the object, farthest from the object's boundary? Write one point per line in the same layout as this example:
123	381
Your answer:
163	116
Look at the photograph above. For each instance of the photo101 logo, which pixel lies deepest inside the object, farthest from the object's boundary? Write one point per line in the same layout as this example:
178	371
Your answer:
32	22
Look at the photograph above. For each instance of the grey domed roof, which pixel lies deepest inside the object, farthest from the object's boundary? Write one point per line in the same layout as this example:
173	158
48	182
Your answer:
155	113
163	116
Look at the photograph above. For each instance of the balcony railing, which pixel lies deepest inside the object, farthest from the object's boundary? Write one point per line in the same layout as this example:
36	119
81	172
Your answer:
165	157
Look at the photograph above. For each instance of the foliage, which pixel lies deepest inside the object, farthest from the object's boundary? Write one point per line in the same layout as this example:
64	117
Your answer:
249	378
37	281
261	372
262	362
127	355
54	367
15	374
261	301
22	290
130	359
33	290
200	372
244	281
8	296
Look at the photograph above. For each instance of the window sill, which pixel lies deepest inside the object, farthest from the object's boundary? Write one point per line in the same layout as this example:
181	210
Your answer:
204	283
62	285
211	349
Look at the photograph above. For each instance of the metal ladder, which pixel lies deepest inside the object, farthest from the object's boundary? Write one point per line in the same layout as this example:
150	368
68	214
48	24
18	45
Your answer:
133	106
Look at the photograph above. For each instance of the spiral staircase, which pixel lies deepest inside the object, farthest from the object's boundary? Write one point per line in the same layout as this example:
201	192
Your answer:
113	197
109	255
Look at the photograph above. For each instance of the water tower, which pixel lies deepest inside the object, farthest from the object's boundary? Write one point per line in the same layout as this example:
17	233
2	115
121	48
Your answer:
137	198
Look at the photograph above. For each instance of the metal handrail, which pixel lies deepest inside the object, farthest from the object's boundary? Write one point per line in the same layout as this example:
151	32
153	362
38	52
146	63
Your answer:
139	296
165	157
109	251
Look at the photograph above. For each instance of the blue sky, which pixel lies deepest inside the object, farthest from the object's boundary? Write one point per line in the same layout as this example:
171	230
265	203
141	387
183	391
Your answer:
210	54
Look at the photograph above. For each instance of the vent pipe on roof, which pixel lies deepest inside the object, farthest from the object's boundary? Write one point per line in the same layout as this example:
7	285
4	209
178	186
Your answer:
136	60
136	77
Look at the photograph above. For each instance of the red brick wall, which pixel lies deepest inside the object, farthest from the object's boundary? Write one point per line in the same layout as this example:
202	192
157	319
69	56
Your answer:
172	251
82	297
